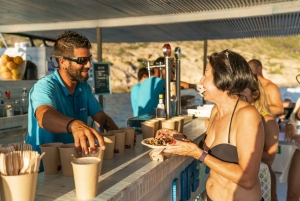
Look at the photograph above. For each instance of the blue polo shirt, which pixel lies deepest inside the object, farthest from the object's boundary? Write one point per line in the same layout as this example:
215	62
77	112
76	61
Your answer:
51	90
150	88
134	98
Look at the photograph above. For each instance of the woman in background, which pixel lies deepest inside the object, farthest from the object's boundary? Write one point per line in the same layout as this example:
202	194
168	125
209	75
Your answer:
255	95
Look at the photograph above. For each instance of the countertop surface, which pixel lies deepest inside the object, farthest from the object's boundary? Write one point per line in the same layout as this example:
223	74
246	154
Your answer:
122	172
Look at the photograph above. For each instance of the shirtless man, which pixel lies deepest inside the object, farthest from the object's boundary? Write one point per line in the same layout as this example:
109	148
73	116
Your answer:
271	90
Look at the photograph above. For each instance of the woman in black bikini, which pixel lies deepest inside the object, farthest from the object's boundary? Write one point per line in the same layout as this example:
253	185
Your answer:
233	144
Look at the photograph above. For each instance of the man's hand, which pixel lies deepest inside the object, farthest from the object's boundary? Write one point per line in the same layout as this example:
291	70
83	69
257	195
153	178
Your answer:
81	133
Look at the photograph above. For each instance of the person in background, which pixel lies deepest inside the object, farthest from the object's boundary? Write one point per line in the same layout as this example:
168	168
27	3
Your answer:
272	91
288	104
233	144
150	88
293	192
60	103
256	96
142	75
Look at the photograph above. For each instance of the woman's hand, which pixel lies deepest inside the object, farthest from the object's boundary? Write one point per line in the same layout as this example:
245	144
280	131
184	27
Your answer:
289	132
184	148
170	132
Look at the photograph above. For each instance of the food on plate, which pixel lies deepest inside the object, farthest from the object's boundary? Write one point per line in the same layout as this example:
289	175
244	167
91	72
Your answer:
159	141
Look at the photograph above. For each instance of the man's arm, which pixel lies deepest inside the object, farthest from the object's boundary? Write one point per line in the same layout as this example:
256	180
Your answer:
53	121
274	99
102	118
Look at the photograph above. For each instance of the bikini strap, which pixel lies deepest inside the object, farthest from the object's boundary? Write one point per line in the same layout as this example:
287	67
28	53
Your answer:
231	120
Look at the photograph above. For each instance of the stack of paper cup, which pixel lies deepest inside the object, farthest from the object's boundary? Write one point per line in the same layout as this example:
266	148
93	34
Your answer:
51	160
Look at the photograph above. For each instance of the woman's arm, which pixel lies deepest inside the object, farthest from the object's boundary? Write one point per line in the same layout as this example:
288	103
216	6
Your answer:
271	139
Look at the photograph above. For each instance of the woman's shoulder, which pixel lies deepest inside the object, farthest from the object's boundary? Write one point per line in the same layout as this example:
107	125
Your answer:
248	111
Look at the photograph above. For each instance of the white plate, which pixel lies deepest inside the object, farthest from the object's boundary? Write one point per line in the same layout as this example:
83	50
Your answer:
155	146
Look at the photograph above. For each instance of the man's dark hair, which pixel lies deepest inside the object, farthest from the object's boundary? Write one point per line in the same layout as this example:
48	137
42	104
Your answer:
159	60
256	62
68	41
231	72
141	72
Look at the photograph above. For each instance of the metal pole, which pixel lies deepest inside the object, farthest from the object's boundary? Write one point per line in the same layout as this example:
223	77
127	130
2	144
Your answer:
168	100
178	75
204	62
99	57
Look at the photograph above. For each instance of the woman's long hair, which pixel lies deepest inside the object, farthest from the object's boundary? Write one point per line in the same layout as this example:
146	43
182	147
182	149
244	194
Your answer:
261	104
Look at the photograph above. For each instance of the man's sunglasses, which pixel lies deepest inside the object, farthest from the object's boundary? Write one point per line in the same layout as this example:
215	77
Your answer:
78	60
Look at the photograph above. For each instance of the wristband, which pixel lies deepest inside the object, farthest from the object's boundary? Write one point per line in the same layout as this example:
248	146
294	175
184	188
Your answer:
67	127
203	155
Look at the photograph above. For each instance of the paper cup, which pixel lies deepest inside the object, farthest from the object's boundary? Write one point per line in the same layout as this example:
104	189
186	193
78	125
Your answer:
109	139
170	124
148	128
86	173
180	121
119	141
157	122
160	120
129	137
19	187
51	159
99	155
67	154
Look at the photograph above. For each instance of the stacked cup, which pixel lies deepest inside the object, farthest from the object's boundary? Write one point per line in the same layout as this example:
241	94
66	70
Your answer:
180	123
67	153
51	160
109	140
119	141
129	137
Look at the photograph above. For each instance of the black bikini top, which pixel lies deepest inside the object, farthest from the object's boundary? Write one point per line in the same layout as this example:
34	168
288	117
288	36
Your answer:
224	152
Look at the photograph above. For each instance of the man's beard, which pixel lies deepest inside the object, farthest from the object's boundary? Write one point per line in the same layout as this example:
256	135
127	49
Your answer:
75	74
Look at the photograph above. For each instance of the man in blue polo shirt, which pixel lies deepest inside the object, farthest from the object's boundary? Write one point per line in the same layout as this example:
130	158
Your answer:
149	90
60	103
142	75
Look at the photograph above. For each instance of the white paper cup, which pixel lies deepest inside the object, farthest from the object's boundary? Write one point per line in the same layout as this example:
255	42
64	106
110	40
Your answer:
119	142
51	159
86	173
129	137
67	153
19	187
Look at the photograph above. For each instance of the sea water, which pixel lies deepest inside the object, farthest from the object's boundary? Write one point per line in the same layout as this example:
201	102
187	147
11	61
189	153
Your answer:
296	95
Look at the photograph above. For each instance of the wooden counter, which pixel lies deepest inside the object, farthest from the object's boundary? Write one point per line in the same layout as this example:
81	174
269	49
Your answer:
133	176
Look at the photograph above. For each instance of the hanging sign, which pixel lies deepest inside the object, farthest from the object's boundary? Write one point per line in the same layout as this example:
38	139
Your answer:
101	74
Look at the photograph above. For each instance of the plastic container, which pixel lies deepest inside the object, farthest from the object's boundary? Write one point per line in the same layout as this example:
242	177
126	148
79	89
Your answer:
12	68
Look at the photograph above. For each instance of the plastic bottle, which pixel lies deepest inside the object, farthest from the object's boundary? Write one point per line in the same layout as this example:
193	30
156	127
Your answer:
160	112
8	105
24	101
297	145
17	108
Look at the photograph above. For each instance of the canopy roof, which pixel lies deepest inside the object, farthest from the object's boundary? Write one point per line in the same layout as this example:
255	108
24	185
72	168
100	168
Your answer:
152	20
